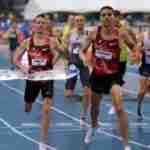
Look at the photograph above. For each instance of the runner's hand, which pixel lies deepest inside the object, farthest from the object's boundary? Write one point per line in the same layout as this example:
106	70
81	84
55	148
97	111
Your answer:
24	69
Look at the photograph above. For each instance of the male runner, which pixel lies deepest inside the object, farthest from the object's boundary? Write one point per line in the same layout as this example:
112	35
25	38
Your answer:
75	41
105	77
41	53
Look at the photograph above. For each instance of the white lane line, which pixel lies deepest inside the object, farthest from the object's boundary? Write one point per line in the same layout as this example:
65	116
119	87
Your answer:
132	92
131	124
13	129
100	131
10	133
138	124
132	74
37	125
17	127
77	120
130	112
36	130
72	126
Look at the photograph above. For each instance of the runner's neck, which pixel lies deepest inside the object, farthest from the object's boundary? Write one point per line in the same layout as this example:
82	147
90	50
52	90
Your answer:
107	30
80	31
108	33
40	40
39	36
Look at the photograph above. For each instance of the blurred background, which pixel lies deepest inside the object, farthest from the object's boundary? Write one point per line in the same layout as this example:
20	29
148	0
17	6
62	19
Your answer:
134	12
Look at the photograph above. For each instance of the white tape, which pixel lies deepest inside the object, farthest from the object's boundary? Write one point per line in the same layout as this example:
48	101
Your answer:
6	74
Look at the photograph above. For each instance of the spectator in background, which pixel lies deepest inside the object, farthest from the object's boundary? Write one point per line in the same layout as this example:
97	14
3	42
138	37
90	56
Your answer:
24	28
14	37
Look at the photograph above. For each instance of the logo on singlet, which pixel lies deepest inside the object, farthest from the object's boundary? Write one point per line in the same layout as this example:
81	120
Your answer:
39	62
101	54
45	49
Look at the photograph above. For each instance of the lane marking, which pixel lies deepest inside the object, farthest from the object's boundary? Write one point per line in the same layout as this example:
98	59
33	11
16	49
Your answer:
17	127
30	125
133	92
138	124
130	112
37	125
13	129
131	124
78	120
72	126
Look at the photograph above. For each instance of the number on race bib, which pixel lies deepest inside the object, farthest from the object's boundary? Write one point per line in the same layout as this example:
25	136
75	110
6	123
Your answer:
103	54
39	62
76	50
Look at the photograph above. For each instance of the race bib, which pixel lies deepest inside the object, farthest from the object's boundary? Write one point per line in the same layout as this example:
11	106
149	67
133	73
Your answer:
72	68
76	50
103	54
39	62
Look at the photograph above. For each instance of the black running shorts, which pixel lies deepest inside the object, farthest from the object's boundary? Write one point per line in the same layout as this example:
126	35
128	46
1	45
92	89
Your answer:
103	84
33	88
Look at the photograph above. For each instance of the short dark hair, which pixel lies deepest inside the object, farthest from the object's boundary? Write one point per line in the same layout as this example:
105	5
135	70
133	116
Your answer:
39	16
106	7
117	13
148	19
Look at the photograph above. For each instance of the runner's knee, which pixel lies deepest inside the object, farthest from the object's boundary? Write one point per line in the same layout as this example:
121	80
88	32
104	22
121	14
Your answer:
142	91
119	108
86	91
47	105
94	109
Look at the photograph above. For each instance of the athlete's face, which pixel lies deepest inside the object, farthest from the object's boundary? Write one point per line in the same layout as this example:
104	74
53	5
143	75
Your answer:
107	17
79	22
40	25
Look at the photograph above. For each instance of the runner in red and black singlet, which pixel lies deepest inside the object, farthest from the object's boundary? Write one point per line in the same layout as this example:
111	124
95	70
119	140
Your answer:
39	57
41	53
106	55
105	76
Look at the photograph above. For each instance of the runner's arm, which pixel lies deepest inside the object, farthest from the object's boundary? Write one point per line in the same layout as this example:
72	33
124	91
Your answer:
65	43
57	49
18	55
131	41
86	53
88	39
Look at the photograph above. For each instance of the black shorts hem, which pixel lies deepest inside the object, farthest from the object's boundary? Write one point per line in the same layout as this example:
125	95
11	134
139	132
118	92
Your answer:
103	84
33	88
